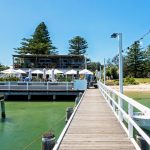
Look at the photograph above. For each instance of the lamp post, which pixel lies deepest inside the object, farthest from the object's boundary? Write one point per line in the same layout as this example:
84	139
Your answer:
104	72
100	73
85	61
120	101
119	35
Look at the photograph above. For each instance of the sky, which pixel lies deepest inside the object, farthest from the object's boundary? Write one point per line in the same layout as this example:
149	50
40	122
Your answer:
94	20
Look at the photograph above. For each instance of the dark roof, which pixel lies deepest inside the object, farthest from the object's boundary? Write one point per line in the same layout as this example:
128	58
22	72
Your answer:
31	55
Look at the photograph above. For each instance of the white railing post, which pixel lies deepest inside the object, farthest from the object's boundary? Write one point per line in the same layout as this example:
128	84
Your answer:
47	85
8	85
27	85
130	126
120	103
113	105
109	93
67	86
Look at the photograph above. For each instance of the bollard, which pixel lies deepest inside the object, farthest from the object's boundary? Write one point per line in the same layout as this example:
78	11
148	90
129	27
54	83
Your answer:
77	99
69	112
142	143
29	97
48	141
54	97
3	109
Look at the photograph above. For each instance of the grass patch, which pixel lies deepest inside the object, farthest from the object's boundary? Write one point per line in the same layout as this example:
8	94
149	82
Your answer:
27	121
142	80
129	81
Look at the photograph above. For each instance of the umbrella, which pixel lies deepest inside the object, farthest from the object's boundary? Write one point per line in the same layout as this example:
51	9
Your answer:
9	71
37	72
71	72
85	71
48	71
56	71
21	71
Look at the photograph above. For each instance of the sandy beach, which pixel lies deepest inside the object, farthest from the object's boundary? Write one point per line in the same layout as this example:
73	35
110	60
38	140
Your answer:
140	87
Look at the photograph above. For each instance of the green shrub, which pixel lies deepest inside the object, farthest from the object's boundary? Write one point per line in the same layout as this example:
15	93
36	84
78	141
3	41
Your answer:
116	82
9	79
131	81
110	82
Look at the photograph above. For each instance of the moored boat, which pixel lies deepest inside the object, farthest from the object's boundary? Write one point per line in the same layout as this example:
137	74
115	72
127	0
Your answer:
142	119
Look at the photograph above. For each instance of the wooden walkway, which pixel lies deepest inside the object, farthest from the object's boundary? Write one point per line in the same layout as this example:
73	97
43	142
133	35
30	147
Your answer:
95	127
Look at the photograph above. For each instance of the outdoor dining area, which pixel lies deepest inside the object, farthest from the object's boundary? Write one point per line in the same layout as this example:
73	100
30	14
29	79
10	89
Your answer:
52	75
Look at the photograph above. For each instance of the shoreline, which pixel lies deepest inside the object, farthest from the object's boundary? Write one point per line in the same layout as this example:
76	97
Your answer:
134	88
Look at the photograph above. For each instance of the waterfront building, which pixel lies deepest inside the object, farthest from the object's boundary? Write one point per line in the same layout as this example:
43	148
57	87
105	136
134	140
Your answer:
63	62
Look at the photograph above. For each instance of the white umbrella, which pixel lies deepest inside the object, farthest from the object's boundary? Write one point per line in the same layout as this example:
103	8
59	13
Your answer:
49	71
9	71
37	72
71	72
85	71
56	71
21	71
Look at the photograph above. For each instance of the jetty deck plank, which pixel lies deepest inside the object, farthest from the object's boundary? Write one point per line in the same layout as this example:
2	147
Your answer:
94	127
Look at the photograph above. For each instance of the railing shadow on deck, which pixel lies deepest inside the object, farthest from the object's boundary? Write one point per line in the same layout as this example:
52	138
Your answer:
116	101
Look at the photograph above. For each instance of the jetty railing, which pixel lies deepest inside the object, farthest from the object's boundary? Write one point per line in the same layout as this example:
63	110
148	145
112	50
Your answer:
37	86
118	103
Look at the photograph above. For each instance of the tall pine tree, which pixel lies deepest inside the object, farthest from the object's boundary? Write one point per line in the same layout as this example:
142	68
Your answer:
134	61
40	43
78	46
147	62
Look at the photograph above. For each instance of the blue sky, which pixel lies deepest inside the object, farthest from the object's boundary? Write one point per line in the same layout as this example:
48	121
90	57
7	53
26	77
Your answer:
95	20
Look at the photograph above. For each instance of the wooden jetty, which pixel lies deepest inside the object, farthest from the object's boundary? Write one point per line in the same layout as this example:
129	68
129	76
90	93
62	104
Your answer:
94	126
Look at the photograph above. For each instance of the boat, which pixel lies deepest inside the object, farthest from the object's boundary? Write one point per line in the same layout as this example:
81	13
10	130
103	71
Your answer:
142	119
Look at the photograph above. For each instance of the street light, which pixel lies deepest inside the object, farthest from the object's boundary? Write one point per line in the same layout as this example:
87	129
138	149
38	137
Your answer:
85	61
119	35
104	72
100	72
120	101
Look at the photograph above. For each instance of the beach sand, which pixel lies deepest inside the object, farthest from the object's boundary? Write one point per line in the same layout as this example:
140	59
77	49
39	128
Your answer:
140	87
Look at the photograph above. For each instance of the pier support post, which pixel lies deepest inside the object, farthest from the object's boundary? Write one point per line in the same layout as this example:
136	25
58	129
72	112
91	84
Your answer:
29	97
142	143
54	97
48	141
69	112
5	97
3	109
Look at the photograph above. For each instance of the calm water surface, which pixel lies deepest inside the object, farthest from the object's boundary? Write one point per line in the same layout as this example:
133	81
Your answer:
27	121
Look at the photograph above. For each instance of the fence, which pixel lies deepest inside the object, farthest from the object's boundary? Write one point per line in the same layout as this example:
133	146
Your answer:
116	101
53	86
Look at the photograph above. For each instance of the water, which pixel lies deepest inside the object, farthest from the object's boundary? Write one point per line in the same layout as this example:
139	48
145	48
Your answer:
141	97
27	121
